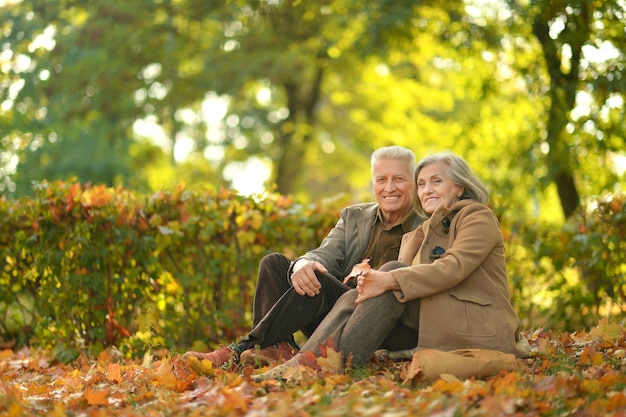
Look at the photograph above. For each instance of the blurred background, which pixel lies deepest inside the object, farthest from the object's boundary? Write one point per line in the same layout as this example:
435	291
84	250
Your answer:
290	97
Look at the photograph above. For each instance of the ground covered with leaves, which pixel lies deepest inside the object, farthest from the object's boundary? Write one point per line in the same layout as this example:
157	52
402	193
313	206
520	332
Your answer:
575	374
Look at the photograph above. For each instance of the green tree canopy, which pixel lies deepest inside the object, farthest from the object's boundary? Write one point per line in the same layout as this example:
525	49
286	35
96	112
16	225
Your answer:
531	93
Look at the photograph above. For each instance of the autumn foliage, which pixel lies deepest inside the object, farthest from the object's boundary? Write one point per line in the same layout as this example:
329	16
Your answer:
85	267
581	373
103	288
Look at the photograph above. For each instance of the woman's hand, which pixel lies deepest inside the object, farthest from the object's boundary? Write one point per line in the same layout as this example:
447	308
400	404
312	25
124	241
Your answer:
374	283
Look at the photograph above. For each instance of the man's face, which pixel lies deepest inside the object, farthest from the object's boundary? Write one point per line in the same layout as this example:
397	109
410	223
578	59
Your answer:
392	187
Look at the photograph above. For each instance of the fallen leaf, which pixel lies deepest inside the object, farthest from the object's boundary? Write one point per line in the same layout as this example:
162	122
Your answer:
97	397
332	362
607	331
164	377
301	375
309	359
113	373
201	368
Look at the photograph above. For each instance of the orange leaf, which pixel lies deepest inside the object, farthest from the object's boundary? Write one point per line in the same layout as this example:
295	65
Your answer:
164	376
445	386
99	196
113	373
617	402
71	196
234	401
104	357
15	410
358	269
308	359
97	398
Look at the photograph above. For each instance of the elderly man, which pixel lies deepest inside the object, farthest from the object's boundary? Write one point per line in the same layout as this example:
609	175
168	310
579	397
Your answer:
293	296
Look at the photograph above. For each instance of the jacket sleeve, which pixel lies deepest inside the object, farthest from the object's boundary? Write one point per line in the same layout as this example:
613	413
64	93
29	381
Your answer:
477	233
338	246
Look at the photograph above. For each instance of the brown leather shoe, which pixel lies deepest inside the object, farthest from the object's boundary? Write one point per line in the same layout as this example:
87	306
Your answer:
268	356
219	357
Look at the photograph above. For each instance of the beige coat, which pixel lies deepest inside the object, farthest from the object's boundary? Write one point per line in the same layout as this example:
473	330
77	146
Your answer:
459	274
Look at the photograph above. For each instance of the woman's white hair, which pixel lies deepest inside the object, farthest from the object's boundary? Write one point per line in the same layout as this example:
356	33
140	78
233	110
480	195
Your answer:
460	172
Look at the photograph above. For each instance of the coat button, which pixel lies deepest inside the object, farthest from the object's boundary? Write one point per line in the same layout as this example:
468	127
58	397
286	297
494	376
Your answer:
437	252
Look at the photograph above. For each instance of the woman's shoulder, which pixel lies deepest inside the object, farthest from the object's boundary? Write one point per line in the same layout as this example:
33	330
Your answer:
465	207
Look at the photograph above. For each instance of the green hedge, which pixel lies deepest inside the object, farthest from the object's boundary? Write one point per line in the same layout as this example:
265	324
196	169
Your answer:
85	267
570	276
90	266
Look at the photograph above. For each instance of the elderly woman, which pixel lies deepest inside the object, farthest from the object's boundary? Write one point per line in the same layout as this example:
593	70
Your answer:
448	290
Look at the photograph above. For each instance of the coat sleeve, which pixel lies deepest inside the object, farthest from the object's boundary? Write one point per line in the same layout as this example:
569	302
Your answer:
344	244
477	233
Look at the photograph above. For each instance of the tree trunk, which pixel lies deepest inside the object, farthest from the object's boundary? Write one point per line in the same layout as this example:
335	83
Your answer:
563	86
297	133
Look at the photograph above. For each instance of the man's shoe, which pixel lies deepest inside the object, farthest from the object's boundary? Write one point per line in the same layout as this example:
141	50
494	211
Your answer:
278	353
219	357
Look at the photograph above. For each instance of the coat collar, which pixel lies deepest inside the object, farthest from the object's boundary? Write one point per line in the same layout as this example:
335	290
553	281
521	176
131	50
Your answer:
441	219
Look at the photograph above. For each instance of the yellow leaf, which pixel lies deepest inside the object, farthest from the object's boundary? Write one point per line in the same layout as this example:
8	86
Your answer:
6	354
597	359
59	411
201	368
302	375
332	363
16	410
449	378
606	331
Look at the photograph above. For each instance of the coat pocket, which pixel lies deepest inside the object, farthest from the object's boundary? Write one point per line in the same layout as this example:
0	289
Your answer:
472	314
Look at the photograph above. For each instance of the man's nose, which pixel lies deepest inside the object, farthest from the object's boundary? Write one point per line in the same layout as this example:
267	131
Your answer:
390	186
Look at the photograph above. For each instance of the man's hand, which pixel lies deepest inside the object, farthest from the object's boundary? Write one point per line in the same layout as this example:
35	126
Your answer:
303	277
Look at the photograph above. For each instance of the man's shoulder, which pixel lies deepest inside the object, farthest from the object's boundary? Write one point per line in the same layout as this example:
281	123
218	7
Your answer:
370	207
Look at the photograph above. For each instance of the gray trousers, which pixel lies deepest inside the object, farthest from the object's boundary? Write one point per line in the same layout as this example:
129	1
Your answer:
360	329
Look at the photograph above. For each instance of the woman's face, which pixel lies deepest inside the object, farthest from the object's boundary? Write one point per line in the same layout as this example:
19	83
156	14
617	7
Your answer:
435	187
